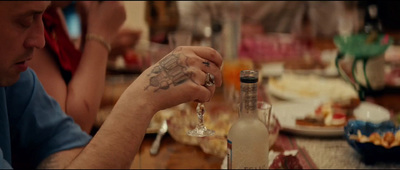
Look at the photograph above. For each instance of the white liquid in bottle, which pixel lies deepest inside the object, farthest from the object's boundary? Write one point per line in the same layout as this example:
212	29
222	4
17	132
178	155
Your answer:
248	137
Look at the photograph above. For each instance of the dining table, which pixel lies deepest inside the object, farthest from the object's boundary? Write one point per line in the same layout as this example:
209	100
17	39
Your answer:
312	152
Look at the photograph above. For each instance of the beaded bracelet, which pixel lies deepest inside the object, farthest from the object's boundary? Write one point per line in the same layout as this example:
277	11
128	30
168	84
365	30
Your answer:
99	39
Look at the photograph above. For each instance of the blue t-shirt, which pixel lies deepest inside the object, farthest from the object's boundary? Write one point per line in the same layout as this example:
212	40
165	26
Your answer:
32	124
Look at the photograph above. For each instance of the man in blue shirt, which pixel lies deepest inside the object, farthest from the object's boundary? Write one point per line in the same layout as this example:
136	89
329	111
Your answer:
36	125
35	133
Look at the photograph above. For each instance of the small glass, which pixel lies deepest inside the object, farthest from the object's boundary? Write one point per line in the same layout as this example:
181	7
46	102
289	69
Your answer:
179	38
200	130
264	113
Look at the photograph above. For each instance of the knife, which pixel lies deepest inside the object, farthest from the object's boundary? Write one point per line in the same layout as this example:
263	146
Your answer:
156	144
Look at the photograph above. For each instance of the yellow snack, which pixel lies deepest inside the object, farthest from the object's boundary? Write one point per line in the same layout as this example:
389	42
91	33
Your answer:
385	144
388	140
374	137
388	137
395	143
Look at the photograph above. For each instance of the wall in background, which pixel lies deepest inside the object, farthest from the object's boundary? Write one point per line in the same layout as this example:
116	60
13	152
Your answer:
135	13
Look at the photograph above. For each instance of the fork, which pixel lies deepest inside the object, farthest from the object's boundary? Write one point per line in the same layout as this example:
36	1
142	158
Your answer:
156	144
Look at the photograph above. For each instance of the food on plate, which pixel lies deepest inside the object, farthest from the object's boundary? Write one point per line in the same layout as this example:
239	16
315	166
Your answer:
329	114
387	139
301	87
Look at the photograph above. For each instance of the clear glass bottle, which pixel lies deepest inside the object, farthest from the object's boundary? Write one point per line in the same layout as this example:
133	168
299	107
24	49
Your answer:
248	137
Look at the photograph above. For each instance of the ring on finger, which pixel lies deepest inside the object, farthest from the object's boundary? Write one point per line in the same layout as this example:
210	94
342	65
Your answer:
210	80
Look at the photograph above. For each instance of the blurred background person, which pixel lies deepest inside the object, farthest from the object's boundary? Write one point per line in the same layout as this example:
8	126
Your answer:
74	75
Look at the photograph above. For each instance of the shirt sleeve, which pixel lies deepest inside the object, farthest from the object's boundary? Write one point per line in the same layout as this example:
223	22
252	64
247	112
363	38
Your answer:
41	128
3	163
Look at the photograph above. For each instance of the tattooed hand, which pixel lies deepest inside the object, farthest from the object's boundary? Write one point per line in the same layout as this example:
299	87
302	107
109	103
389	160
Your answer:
180	76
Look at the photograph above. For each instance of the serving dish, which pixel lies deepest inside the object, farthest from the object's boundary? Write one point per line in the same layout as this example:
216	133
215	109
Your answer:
368	149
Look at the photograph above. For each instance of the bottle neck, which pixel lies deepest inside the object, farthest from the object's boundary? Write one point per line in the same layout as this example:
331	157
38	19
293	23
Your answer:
248	100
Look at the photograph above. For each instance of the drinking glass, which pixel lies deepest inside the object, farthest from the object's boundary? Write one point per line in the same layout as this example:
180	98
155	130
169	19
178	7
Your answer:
264	112
230	73
200	130
179	38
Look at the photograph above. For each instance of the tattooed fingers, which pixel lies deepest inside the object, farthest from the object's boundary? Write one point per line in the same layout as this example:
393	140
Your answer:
193	65
208	54
206	63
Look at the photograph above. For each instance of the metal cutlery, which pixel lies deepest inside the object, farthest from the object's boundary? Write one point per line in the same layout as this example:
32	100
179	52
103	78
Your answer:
156	144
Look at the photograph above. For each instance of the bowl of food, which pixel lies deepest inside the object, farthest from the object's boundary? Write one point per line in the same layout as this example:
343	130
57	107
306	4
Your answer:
377	141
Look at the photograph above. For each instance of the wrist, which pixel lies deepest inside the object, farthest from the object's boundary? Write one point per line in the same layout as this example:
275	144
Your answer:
99	39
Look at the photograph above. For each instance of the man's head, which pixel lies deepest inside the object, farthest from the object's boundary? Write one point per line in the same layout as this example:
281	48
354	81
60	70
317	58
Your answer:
21	32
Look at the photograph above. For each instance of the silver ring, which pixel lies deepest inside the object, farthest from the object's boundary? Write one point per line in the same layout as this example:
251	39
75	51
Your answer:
210	80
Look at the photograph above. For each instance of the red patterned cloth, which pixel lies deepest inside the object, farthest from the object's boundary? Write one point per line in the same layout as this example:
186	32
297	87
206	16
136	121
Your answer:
288	142
58	41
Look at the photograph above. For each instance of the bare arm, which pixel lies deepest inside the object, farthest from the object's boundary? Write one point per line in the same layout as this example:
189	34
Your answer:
48	72
118	140
87	85
81	98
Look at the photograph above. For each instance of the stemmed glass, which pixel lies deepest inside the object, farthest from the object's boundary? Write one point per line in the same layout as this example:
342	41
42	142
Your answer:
177	38
200	130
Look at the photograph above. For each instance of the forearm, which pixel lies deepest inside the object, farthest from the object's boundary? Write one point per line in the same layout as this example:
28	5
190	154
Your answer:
114	145
117	142
87	85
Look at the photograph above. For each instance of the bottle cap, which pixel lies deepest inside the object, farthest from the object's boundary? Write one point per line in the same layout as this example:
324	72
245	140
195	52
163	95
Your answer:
248	76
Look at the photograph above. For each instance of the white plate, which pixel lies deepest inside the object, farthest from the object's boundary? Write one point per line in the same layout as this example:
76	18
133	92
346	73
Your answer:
275	69
296	87
272	69
288	112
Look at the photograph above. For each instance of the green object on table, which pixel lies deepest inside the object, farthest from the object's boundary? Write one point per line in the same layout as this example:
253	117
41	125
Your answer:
361	47
357	45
